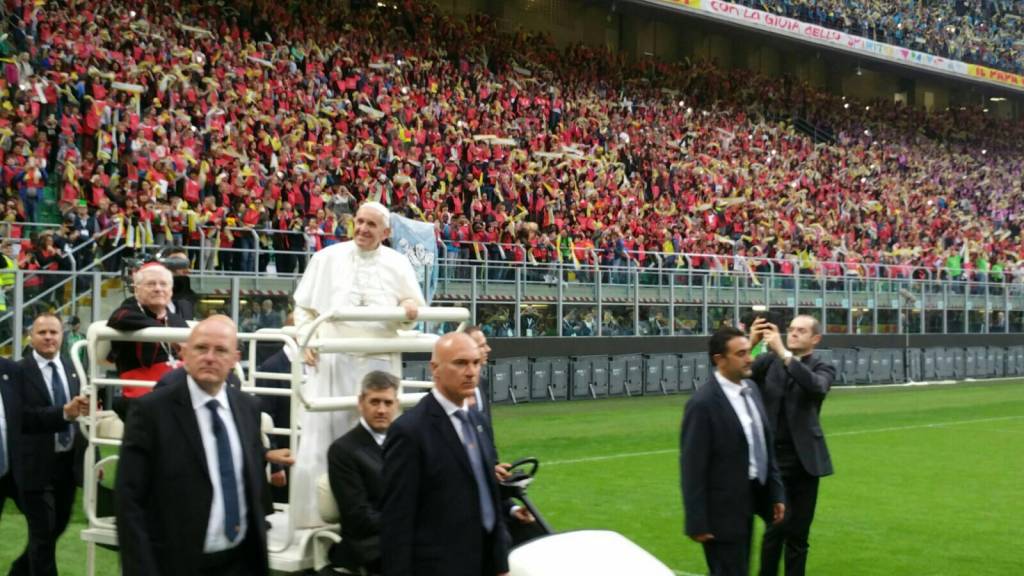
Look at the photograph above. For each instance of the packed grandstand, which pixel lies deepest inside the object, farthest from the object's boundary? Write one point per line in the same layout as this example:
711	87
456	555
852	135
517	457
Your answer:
189	123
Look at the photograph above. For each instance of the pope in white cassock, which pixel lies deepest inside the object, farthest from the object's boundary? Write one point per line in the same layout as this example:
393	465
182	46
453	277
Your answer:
361	272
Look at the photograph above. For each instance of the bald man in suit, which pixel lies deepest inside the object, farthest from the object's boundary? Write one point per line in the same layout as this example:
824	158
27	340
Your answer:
440	513
191	476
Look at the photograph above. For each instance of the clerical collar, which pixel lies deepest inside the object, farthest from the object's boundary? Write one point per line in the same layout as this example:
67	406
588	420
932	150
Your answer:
367	254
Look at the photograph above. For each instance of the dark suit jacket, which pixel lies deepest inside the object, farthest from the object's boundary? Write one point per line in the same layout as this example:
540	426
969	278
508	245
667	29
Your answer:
38	457
431	511
714	463
164	487
129	355
10	390
278	407
801	388
484	386
354	465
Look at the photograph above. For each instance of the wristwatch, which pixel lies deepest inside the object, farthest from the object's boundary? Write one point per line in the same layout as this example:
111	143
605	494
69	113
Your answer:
786	356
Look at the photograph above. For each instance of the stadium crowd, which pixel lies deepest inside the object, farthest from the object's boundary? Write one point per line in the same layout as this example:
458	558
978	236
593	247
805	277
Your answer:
196	124
986	32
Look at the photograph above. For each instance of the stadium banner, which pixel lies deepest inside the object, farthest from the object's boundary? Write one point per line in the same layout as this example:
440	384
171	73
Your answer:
808	32
1007	78
695	4
416	240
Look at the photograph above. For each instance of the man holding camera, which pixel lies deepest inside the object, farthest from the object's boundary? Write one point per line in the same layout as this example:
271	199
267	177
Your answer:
793	382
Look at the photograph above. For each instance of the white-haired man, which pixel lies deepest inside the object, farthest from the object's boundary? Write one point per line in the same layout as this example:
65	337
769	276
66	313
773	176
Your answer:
148	308
361	272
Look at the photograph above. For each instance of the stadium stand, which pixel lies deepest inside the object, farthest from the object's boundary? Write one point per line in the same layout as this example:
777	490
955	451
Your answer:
197	124
986	32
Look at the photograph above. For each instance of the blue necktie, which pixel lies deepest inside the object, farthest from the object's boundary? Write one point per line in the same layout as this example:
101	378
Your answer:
760	451
60	399
226	465
472	444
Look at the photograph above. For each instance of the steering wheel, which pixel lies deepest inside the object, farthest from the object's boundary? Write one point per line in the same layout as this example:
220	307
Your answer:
518	476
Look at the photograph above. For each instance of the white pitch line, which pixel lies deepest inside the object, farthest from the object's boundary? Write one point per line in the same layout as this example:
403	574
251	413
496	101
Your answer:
920	426
833	435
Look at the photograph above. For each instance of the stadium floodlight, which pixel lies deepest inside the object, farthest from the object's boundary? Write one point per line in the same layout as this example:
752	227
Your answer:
997	99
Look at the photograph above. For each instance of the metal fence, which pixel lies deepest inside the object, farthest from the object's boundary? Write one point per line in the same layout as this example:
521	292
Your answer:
669	296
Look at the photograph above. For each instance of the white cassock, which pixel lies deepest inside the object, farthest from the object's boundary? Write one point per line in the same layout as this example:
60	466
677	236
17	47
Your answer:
342	275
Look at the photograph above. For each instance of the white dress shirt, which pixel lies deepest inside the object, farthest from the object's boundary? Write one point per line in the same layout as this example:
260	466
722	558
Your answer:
450	408
732	392
44	368
216	541
377	436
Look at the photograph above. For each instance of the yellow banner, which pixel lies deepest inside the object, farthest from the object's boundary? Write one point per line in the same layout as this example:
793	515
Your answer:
695	4
1008	78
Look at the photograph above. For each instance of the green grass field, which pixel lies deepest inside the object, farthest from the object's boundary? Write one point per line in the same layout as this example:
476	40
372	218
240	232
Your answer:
929	480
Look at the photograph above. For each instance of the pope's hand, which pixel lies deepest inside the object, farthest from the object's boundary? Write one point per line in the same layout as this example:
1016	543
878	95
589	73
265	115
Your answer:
312	357
411	310
281	457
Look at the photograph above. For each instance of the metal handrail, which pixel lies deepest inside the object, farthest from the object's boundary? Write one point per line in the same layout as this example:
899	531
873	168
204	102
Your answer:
73	276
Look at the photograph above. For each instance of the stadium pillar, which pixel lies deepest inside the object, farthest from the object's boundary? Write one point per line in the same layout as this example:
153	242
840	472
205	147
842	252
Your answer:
874	307
672	305
599	282
236	293
921	314
849	305
636	300
97	296
473	294
736	299
945	308
559	305
18	315
519	301
704	308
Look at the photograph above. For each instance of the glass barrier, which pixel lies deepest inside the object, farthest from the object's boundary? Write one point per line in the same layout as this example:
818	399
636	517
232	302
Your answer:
510	299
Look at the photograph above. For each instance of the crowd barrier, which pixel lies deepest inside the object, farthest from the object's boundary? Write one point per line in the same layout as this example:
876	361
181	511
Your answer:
546	378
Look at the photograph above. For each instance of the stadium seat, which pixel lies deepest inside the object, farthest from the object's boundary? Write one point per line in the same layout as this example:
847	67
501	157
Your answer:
325	502
109	425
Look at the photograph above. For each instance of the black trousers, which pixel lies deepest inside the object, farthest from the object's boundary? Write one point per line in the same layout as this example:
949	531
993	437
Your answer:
228	563
792	533
47	510
7	490
728	558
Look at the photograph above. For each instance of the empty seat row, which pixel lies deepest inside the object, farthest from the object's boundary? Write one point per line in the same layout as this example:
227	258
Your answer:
555	378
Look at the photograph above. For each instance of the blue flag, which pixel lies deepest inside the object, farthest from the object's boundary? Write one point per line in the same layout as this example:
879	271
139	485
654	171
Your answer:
417	242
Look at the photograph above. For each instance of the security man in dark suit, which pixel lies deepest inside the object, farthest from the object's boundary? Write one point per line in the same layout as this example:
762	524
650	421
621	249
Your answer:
10	429
279	408
191	475
726	459
793	382
482	398
49	464
440	513
520	522
354	464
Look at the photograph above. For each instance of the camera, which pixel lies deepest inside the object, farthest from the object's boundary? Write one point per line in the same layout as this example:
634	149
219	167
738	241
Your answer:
774	316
